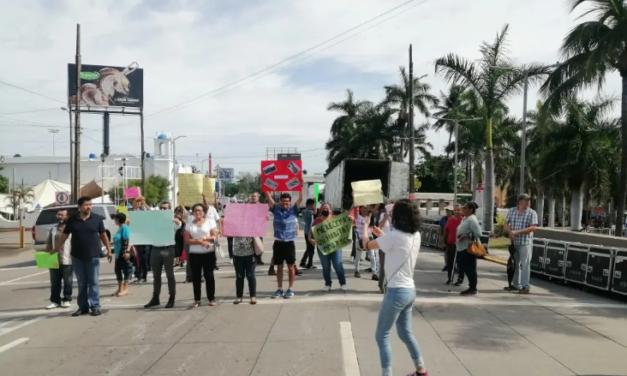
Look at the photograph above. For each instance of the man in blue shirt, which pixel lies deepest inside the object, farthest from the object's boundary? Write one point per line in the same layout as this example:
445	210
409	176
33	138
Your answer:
308	217
285	233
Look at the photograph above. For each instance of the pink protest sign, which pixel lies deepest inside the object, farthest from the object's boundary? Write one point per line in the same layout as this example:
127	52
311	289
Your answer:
244	220
131	192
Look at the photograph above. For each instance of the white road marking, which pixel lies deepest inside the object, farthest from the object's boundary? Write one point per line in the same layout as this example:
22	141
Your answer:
351	365
11	345
14	328
24	277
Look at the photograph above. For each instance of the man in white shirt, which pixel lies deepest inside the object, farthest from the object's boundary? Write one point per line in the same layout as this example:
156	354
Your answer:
62	275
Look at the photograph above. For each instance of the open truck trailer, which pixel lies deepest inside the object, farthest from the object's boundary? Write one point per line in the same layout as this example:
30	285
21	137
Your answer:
394	178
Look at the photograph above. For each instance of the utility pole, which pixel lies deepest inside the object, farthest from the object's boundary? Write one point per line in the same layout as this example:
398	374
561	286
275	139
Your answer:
410	122
53	131
143	160
76	186
69	112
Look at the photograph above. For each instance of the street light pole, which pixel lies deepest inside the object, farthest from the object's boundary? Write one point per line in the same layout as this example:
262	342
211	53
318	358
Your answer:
53	131
410	123
523	137
174	172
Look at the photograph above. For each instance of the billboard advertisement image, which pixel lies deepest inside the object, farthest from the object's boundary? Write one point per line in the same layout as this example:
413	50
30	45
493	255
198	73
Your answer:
107	86
282	176
226	174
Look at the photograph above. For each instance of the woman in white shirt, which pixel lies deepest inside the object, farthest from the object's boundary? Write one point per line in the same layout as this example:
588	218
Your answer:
364	229
201	235
401	248
384	225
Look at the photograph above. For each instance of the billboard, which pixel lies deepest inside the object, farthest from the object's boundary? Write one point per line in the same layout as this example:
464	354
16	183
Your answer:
282	176
226	174
288	156
107	86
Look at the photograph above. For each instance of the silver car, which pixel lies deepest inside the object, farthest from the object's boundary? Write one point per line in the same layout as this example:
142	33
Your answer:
48	218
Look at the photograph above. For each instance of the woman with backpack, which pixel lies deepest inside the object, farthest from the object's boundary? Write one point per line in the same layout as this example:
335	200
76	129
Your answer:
401	248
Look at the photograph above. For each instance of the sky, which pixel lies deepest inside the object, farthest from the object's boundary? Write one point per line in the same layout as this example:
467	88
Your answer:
190	48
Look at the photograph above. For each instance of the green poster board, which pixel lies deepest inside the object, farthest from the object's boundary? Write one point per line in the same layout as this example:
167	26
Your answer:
334	233
46	260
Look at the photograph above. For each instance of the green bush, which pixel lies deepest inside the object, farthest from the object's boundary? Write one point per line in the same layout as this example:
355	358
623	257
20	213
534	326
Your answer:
499	228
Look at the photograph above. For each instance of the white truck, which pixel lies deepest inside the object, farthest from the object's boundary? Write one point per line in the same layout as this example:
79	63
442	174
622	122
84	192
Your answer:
394	178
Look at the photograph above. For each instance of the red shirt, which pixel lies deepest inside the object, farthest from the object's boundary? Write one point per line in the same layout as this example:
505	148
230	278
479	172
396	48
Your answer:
451	229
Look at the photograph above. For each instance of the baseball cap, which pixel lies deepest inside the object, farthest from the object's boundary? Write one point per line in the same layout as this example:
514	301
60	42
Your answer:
449	208
524	197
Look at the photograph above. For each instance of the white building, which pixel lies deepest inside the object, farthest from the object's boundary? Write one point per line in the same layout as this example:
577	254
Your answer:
116	168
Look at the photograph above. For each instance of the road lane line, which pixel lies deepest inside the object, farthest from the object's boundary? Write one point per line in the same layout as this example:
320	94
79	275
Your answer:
24	277
11	345
9	330
351	365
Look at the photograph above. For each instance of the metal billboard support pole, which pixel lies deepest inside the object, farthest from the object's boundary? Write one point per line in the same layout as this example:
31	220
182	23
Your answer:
76	186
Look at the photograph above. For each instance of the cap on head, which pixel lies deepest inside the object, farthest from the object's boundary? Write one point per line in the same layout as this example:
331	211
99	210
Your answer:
449	208
523	197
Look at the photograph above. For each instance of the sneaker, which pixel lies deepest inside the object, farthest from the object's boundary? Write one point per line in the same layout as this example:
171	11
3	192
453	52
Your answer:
302	266
375	277
95	312
299	272
289	294
66	305
277	294
469	293
326	289
144	280
357	275
271	271
524	291
52	306
343	288
78	312
443	269
369	270
260	262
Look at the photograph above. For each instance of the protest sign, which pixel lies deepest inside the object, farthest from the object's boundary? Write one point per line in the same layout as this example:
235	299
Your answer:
122	209
281	176
334	233
209	189
367	192
190	188
245	220
132	192
46	260
151	227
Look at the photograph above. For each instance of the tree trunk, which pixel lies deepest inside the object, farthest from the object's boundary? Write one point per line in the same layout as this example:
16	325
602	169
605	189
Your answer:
488	217
540	207
576	207
473	179
622	184
563	211
551	209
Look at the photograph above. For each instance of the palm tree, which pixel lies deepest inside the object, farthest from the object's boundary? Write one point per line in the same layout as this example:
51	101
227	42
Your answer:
20	197
589	139
590	51
398	96
451	106
493	86
348	109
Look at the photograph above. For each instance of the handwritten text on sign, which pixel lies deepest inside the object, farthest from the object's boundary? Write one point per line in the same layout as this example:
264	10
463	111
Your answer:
334	233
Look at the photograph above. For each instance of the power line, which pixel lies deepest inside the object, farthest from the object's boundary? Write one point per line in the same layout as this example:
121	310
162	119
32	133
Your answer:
270	69
30	111
31	92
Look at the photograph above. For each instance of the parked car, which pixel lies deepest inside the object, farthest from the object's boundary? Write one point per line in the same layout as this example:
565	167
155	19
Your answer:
48	218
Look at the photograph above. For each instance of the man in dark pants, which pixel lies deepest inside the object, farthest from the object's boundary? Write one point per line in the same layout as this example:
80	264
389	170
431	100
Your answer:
450	237
163	258
62	275
88	235
308	216
442	242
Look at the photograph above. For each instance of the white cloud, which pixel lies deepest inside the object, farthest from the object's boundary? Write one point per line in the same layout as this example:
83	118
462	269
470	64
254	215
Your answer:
189	48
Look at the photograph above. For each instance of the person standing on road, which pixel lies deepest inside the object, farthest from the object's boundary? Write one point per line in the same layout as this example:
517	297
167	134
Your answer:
254	199
215	222
202	237
88	235
520	223
467	232
123	266
363	228
244	261
308	217
442	224
450	238
401	248
63	275
285	234
163	258
333	259
143	250
386	227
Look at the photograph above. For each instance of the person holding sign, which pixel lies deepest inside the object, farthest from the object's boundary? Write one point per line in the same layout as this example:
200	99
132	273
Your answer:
335	257
363	228
401	248
201	236
62	275
285	234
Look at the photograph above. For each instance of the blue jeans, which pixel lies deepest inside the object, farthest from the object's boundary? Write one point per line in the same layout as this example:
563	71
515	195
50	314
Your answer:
522	271
87	273
396	308
334	259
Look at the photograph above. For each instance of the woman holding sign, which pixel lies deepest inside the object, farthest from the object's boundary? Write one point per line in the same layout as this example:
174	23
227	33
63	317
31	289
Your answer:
334	258
401	248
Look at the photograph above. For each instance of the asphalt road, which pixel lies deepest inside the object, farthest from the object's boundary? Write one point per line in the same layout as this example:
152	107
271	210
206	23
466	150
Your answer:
554	331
